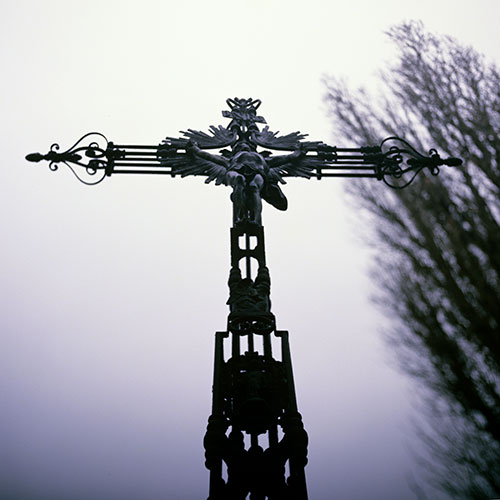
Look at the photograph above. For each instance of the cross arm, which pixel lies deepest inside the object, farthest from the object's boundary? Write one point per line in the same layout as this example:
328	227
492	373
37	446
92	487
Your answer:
394	161
93	157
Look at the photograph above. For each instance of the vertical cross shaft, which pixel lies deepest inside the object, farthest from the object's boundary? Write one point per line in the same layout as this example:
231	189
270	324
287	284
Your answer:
253	393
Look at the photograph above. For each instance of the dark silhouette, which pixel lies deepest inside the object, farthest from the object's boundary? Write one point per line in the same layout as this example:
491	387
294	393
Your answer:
438	245
252	391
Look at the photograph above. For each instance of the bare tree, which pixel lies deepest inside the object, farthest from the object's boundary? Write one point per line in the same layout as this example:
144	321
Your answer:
438	243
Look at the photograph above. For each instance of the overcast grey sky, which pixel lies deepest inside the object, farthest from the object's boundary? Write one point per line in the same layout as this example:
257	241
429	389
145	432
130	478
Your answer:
111	294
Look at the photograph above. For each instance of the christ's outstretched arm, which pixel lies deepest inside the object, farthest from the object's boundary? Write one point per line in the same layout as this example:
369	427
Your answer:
193	148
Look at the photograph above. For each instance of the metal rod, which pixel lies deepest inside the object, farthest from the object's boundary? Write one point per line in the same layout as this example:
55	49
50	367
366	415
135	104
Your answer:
218	362
137	153
254	439
135	163
170	172
147	162
347	150
273	435
250	342
128	157
346	174
157	172
235	352
247	257
358	164
339	174
286	358
266	341
134	146
333	150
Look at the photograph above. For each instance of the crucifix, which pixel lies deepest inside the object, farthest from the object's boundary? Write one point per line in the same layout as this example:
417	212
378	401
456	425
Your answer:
253	391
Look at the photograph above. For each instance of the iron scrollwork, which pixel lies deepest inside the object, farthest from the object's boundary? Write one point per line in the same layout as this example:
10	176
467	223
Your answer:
93	154
397	158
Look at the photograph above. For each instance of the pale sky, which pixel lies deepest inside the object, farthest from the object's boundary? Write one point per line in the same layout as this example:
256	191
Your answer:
111	295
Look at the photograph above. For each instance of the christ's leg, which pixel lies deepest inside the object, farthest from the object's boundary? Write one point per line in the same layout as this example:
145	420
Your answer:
255	199
238	196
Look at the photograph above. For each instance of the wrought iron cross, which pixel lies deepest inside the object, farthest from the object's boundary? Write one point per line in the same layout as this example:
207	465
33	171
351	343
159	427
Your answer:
253	389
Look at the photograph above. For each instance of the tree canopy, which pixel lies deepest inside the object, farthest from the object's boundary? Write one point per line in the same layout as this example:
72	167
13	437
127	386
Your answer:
437	242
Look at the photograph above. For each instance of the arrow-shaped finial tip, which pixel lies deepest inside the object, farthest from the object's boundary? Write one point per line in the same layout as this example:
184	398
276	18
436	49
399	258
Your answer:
34	157
453	162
